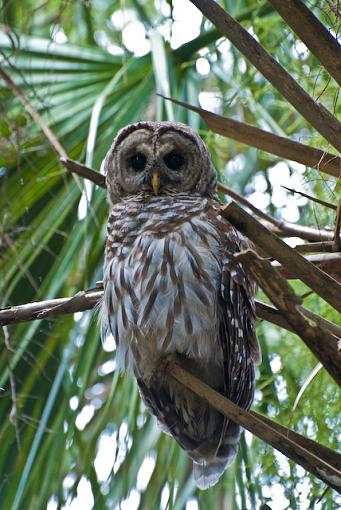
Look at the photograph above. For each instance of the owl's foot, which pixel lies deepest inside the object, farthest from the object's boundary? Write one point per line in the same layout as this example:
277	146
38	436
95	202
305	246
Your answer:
164	363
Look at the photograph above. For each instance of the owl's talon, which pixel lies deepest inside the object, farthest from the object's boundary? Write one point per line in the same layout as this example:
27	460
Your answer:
164	363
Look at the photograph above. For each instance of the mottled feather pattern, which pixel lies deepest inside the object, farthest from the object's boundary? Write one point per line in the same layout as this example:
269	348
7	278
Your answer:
171	281
172	286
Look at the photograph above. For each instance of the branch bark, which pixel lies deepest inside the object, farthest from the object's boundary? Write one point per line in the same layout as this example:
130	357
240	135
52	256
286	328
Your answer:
84	300
88	299
323	284
84	171
328	262
323	344
301	450
268	142
314	35
322	120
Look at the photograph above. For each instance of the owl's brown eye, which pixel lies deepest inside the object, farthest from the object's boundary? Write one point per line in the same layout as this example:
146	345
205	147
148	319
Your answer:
138	161
174	161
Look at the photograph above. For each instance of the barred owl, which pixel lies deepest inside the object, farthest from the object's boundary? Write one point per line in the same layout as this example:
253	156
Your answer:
172	286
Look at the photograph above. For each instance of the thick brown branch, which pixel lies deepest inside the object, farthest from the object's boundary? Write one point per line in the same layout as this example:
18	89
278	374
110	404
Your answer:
319	341
316	115
323	284
301	450
84	171
314	35
34	114
268	142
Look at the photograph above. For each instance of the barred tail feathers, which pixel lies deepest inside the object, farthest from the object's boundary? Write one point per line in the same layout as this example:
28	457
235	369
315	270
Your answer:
208	471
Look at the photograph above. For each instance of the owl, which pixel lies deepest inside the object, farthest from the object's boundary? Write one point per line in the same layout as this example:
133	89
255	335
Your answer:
173	287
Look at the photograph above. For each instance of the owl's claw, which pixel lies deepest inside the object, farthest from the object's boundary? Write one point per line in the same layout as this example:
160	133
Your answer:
164	363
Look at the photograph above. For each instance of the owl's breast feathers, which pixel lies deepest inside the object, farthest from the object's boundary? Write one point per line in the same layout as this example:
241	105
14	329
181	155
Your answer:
171	285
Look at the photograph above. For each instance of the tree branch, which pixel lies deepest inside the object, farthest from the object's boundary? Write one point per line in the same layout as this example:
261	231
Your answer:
309	197
268	142
322	120
84	171
326	246
321	462
314	35
34	114
88	299
328	262
324	285
84	300
323	344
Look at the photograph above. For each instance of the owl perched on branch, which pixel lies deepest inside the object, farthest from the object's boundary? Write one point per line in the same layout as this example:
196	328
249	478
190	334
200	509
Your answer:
172	286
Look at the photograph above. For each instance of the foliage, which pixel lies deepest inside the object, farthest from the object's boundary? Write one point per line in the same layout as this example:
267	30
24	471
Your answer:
63	403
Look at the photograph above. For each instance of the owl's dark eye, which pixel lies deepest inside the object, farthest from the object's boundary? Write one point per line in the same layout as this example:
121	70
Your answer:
174	161
138	161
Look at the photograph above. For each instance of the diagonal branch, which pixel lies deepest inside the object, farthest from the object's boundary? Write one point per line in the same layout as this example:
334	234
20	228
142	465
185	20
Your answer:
34	114
321	462
84	171
271	314
268	142
322	120
309	197
320	282
323	344
314	35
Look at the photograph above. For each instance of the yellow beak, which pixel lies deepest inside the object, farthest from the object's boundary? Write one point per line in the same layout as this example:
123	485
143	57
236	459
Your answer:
156	182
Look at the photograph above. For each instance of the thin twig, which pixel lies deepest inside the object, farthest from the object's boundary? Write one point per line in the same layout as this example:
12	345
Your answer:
268	142
290	444
241	200
34	114
314	199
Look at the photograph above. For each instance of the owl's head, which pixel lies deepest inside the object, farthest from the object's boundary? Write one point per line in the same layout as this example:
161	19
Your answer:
161	158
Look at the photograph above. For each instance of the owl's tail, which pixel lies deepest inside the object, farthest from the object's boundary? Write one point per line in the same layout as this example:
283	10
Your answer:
207	471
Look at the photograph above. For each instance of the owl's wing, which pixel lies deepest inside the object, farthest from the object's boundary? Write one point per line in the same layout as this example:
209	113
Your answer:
237	322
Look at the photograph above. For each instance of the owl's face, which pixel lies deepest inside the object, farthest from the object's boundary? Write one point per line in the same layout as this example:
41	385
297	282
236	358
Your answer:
158	158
